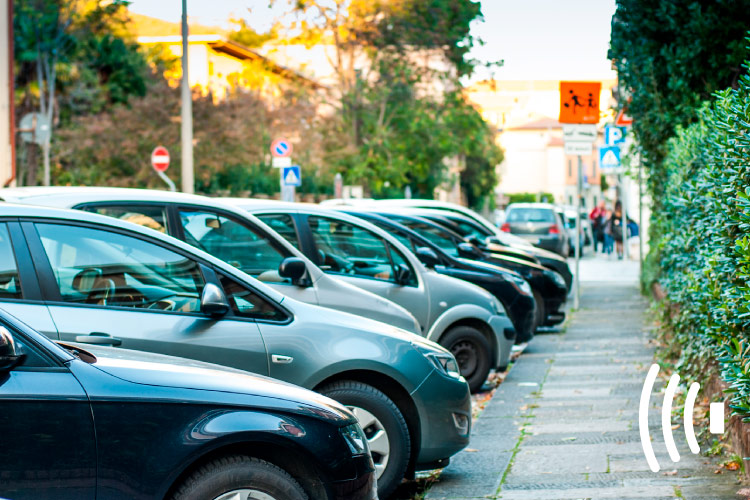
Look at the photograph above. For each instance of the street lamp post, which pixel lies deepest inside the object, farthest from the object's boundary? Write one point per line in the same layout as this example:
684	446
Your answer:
187	112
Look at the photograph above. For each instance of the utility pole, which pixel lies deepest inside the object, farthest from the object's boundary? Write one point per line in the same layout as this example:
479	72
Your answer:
188	175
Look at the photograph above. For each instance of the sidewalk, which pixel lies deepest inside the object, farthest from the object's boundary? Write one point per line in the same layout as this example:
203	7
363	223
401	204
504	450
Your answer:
564	423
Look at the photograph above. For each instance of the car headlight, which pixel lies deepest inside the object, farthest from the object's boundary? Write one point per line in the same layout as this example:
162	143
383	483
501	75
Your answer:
355	439
559	281
521	283
444	362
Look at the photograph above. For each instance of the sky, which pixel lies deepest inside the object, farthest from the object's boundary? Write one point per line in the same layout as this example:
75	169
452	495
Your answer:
536	39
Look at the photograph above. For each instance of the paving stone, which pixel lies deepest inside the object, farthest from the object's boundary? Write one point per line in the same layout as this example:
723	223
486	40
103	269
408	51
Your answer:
564	423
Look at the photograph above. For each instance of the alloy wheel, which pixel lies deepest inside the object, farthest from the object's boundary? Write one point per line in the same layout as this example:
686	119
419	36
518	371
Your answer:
377	438
245	494
466	355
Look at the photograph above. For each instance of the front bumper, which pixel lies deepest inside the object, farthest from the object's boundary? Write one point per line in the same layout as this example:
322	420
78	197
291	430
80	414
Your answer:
523	313
362	487
441	401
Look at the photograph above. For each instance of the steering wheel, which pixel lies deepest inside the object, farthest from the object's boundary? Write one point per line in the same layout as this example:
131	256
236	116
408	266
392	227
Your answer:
102	291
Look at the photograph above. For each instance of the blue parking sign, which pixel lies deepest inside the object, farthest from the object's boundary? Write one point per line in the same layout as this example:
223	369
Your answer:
614	135
609	158
291	176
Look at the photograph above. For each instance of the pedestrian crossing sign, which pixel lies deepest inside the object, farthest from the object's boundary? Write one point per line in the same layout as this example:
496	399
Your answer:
609	158
291	176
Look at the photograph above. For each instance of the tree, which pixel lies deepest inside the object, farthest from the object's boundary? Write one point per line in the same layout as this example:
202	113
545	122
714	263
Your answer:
79	46
400	114
670	56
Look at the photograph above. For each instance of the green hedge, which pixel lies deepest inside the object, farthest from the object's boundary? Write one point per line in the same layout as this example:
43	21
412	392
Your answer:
704	248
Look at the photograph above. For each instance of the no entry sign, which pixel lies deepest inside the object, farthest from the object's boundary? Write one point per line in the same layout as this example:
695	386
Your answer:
281	148
160	159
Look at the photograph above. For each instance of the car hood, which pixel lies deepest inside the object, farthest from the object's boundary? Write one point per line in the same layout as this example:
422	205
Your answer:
168	371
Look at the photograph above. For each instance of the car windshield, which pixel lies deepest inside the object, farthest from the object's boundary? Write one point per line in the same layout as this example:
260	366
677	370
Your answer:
531	215
434	235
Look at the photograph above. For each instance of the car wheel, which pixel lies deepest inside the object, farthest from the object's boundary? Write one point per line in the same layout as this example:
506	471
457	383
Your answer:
541	314
472	352
240	478
384	426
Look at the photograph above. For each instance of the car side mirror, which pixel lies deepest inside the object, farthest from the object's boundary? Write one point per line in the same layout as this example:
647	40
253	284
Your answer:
474	240
295	269
468	250
427	256
9	357
403	274
213	301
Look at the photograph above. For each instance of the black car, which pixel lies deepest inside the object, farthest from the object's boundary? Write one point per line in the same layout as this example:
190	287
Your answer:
115	424
508	286
480	236
549	288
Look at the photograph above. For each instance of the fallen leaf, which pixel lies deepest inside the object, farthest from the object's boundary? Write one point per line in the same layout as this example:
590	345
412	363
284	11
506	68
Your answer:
670	472
470	450
732	466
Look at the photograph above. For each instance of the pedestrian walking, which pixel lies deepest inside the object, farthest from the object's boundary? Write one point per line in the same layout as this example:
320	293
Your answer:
598	217
620	232
609	241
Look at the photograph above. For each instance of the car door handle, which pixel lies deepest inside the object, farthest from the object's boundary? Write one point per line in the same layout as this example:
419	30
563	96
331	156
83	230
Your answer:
281	360
99	338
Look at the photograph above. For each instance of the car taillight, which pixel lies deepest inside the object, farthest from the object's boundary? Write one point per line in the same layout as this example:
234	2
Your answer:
505	227
554	230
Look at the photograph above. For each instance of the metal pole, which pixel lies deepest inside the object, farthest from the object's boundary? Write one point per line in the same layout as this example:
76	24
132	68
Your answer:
167	180
640	220
188	178
624	181
577	296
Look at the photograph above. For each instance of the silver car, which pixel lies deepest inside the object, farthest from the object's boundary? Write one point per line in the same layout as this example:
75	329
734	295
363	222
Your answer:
460	316
227	233
91	279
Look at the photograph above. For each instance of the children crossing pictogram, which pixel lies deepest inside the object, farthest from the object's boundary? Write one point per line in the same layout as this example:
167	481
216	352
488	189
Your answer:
579	102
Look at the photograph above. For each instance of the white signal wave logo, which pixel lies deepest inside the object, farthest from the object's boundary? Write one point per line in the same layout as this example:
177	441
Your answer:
716	418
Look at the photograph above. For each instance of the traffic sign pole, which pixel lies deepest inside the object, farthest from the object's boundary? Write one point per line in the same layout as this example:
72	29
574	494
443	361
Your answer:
624	180
577	296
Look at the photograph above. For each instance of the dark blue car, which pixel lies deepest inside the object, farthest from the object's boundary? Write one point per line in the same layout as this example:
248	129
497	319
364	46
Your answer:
116	424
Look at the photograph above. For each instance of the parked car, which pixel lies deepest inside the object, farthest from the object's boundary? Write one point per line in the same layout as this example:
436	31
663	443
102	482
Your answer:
479	231
462	317
587	232
548	287
109	423
539	224
508	286
229	234
92	279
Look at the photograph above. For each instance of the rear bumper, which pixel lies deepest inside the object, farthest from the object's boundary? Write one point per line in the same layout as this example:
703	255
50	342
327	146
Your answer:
505	335
442	403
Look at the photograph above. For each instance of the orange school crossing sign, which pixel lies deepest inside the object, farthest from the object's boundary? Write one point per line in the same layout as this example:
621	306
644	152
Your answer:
579	102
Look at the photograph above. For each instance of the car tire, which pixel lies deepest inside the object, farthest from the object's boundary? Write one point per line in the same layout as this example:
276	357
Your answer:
223	478
541	313
472	351
365	400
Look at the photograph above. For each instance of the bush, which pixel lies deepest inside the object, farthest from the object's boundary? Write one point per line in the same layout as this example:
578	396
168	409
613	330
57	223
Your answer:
704	250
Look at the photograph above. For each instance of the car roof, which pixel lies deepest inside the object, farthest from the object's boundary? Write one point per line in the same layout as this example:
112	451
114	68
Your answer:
66	196
19	210
259	204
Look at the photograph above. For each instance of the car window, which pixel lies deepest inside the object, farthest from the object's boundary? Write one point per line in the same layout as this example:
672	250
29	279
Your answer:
348	249
248	304
531	215
399	259
468	230
152	217
10	281
234	242
282	224
102	268
434	235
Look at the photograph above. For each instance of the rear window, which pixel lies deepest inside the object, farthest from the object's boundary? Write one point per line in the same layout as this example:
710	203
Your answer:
531	215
